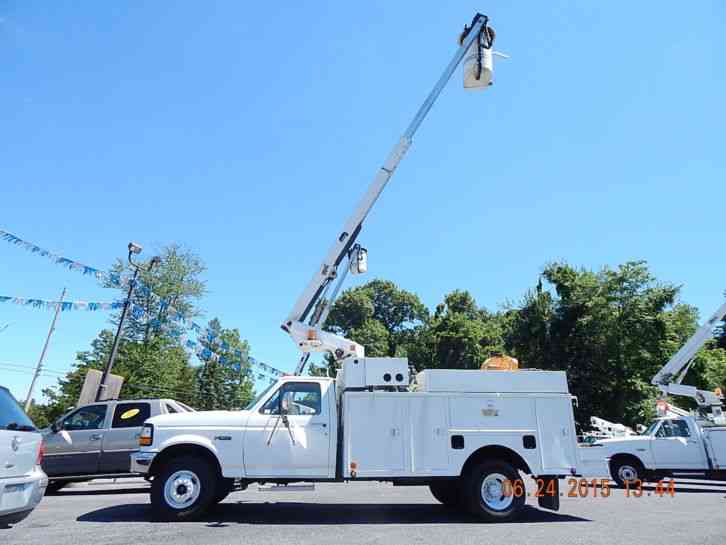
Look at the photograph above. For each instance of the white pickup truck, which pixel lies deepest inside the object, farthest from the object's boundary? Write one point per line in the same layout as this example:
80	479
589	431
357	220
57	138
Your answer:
670	446
465	434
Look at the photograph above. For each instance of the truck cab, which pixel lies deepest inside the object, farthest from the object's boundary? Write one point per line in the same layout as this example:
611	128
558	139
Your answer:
670	445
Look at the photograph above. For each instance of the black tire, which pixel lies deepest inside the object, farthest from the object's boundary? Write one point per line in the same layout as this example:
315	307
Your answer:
447	492
194	492
626	469
55	486
14	518
503	501
224	489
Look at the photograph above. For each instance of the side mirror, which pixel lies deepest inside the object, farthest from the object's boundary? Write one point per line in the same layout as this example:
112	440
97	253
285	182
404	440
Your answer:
56	426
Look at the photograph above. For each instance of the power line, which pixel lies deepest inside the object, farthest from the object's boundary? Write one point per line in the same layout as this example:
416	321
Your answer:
32	367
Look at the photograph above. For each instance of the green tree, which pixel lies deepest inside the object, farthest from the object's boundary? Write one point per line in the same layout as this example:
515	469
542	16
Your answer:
459	336
610	330
150	356
379	315
176	280
721	335
224	382
714	368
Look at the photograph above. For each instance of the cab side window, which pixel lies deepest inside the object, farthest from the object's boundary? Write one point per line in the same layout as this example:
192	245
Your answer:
91	417
298	398
130	415
680	428
673	428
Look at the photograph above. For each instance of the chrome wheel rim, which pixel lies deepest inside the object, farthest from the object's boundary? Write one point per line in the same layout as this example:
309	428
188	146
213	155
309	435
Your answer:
627	473
493	492
181	489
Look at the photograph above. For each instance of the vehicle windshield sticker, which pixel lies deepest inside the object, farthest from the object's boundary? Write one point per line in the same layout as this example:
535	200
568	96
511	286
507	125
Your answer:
130	414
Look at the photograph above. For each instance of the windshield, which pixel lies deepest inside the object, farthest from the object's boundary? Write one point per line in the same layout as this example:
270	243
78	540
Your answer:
12	416
186	407
651	428
255	400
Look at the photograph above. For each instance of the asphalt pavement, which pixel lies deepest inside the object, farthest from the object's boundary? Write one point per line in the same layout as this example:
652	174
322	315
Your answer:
367	513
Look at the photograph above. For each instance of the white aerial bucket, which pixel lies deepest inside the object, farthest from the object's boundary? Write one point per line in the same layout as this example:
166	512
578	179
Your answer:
474	78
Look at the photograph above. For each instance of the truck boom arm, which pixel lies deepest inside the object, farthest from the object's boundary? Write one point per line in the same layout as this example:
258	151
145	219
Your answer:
672	373
311	303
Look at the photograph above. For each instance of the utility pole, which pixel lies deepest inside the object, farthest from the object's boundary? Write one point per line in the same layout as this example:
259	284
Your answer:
38	367
133	249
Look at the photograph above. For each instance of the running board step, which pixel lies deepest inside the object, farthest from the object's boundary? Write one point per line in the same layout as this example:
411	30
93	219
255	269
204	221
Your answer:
286	488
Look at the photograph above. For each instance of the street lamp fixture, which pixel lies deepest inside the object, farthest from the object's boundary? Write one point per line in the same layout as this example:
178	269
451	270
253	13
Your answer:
134	249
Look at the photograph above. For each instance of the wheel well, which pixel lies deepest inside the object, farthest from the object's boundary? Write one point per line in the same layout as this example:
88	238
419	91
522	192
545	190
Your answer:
176	451
496	452
621	458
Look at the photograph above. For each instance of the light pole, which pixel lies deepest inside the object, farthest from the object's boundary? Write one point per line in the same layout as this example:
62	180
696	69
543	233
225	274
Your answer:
133	249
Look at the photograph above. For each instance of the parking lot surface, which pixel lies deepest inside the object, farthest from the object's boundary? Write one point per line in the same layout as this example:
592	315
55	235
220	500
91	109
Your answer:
365	513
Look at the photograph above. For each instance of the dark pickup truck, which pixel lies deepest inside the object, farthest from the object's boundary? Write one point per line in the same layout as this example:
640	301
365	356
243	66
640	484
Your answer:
97	440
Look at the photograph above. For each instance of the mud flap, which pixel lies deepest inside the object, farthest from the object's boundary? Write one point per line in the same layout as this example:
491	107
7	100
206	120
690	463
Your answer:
550	498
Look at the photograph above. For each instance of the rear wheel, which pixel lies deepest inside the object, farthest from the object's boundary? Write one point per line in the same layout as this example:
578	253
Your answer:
494	491
183	489
447	492
55	486
626	470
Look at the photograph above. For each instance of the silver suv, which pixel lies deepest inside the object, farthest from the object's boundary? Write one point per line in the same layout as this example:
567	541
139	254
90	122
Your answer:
22	481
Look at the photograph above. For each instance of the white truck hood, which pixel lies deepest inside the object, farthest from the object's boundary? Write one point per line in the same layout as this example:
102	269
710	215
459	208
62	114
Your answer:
200	418
615	442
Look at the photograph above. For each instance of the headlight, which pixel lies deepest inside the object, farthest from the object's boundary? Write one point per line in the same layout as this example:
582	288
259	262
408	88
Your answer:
146	437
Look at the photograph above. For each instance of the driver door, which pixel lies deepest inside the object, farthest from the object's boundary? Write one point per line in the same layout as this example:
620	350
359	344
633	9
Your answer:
290	436
674	447
75	449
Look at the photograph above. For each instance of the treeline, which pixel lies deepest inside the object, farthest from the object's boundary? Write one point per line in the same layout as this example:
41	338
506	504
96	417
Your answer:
611	330
151	357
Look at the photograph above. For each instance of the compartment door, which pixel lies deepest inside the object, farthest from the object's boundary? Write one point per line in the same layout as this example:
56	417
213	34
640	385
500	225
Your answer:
429	427
557	440
375	434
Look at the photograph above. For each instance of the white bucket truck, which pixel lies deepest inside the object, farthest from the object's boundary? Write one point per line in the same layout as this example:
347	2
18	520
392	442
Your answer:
466	434
678	443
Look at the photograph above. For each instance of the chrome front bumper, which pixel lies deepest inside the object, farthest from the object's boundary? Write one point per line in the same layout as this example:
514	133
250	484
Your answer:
141	461
22	493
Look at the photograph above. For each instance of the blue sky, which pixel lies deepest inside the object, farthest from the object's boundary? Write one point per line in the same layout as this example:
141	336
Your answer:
247	133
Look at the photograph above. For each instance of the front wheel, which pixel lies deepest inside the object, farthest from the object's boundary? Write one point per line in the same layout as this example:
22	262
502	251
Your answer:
183	489
494	491
626	471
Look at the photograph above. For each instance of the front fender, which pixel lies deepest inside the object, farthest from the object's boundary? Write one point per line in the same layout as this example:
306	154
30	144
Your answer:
641	452
224	445
189	439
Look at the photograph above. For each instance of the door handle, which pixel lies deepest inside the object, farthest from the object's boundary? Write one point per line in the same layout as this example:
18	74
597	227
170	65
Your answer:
96	437
321	424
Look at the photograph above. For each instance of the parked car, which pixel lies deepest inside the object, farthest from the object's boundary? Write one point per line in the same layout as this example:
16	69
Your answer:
97	440
22	481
